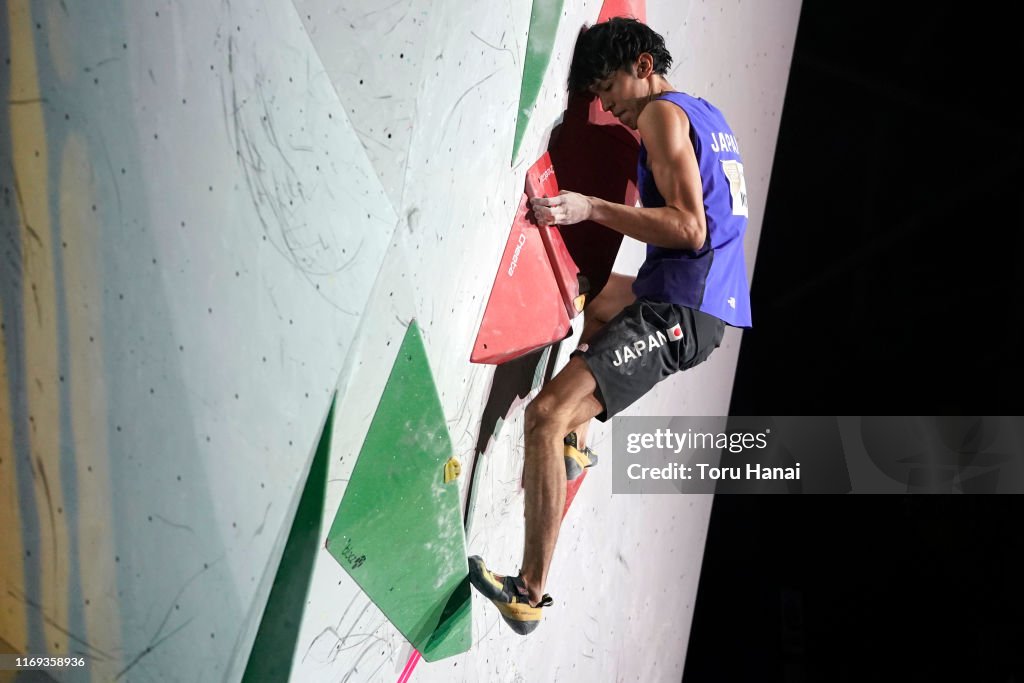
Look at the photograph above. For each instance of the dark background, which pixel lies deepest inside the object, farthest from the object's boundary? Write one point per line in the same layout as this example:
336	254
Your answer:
887	282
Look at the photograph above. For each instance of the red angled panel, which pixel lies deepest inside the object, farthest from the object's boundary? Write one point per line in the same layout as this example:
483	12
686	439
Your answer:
525	310
623	8
542	182
540	179
571	488
536	291
566	272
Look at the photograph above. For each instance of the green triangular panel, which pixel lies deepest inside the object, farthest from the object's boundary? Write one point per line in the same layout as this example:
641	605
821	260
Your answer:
271	656
539	45
398	531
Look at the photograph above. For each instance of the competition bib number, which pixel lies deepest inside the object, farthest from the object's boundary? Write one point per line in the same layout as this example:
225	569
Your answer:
737	186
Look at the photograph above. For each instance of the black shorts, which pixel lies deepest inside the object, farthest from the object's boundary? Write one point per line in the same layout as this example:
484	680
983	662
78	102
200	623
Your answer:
644	344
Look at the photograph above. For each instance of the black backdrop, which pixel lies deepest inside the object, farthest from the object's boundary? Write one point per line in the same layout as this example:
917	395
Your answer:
887	282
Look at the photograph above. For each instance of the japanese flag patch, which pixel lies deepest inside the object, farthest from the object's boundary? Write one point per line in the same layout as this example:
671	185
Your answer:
674	333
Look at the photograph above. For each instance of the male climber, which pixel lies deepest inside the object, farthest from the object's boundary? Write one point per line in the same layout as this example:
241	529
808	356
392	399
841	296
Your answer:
640	330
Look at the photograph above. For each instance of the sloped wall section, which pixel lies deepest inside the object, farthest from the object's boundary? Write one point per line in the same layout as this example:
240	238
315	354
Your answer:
197	232
458	203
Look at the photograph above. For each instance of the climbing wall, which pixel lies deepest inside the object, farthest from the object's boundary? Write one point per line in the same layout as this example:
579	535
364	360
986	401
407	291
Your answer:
191	231
221	219
645	550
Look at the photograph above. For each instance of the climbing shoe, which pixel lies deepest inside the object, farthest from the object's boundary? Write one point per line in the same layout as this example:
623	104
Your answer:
576	460
508	593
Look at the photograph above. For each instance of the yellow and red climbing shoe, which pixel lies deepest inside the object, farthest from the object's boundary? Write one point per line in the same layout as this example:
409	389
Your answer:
577	460
508	593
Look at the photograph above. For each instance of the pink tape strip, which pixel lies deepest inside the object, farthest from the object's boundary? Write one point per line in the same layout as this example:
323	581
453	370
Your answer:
414	658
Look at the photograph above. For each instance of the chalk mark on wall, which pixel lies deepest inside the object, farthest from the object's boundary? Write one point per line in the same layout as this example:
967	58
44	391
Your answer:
272	196
495	47
157	640
447	116
93	651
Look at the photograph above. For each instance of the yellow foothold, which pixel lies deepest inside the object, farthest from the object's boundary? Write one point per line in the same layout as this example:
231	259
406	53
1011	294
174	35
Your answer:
452	469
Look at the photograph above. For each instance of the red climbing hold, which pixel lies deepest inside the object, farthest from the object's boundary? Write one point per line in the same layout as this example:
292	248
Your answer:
536	291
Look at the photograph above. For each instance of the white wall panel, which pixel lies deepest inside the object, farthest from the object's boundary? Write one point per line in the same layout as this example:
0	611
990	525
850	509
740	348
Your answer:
374	55
215	228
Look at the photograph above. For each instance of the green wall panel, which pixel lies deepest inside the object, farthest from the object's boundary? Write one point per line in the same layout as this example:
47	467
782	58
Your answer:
398	531
539	46
271	656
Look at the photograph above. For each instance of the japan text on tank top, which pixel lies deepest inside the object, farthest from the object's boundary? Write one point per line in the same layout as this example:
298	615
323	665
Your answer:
713	278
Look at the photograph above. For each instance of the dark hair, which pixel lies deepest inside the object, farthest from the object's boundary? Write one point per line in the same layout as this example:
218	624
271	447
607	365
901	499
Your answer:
611	45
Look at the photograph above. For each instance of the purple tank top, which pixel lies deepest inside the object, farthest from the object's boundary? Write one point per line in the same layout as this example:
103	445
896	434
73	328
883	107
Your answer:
712	279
